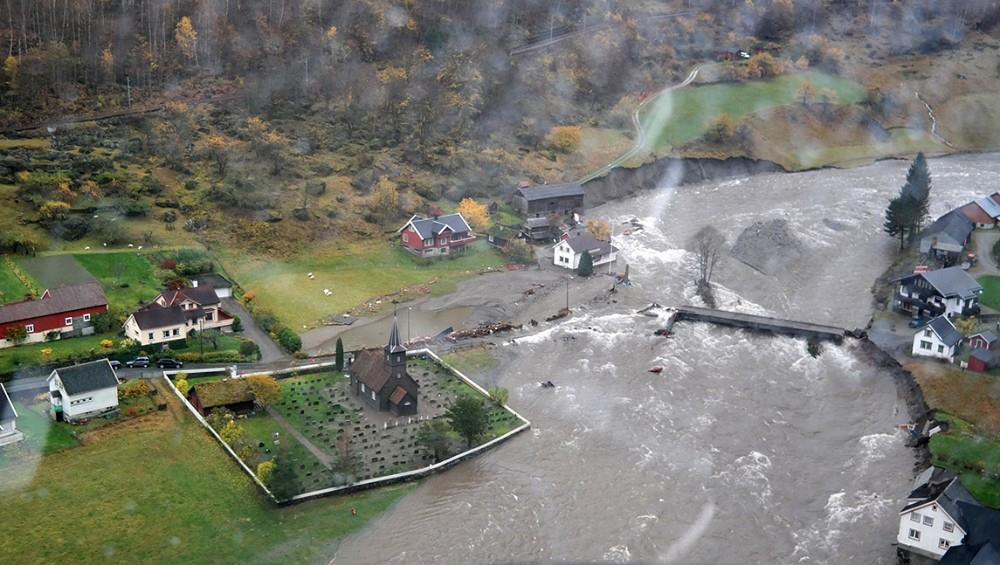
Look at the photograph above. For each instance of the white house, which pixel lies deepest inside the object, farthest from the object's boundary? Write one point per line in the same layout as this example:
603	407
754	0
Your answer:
569	250
951	291
82	391
931	522
8	420
937	339
173	314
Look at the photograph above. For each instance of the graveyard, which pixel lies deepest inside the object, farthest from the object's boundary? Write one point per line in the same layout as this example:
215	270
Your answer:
329	438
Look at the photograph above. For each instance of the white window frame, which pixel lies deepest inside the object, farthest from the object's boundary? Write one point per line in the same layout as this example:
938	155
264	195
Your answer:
926	345
940	349
943	543
373	395
927	333
29	328
176	332
928	520
68	321
150	334
949	526
166	333
915	517
914	534
86	317
363	389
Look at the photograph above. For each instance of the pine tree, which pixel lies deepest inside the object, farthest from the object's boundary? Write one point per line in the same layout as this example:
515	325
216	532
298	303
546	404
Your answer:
899	218
339	362
586	266
917	189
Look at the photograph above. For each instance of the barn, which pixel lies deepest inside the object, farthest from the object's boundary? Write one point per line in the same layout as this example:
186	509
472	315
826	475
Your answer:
234	395
982	360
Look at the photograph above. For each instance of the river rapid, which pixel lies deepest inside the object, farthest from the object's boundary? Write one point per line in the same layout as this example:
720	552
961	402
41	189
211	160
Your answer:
744	449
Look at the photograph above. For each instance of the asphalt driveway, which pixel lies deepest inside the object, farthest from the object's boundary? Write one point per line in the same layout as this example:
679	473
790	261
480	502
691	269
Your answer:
269	351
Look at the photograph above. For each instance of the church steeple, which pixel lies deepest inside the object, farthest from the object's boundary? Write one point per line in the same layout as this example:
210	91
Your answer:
395	352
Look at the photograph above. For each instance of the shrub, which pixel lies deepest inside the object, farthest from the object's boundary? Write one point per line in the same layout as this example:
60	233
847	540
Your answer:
564	138
237	324
519	251
249	349
222	357
267	321
289	339
135	388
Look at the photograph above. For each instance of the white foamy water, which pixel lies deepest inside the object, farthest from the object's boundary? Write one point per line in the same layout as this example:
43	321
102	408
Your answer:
744	449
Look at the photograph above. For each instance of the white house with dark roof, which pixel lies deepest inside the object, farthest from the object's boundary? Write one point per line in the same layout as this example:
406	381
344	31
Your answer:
433	237
938	339
8	420
950	292
175	313
83	391
569	250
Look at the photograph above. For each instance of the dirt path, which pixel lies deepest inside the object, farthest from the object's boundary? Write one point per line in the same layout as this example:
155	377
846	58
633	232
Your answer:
640	138
325	459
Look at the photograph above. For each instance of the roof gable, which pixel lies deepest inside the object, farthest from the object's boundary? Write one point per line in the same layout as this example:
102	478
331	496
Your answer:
953	225
989	206
155	316
952	281
987	335
86	377
427	228
369	368
945	331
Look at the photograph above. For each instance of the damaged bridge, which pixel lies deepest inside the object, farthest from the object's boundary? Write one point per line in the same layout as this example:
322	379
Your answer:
752	322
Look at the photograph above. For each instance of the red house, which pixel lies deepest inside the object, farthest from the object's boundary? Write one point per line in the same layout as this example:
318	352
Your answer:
440	235
66	310
983	340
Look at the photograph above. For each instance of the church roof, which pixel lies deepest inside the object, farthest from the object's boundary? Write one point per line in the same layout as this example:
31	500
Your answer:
395	344
369	368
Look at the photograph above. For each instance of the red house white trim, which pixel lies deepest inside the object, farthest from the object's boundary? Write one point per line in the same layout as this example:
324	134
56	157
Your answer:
66	310
442	235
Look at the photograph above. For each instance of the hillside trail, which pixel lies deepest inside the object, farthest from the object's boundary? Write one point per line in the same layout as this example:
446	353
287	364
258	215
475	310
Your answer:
640	131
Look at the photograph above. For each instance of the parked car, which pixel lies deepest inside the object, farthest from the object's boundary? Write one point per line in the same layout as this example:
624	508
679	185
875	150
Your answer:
918	322
168	363
138	362
115	365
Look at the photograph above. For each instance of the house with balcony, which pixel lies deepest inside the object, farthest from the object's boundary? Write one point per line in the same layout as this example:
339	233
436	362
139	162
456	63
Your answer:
61	312
938	339
437	236
173	314
949	292
83	391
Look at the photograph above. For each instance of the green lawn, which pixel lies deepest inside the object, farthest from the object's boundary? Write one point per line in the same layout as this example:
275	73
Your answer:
354	273
29	355
684	115
224	342
163	491
975	456
11	287
991	290
41	434
260	428
471	360
128	278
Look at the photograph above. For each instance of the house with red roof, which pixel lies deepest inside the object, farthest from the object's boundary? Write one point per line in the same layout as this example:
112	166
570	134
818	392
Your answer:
60	313
173	314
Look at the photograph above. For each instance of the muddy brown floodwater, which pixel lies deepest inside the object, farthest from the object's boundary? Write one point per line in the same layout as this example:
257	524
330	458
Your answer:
744	449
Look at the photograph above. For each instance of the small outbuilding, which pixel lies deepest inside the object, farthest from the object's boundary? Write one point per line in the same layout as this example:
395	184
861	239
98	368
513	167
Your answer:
982	360
223	287
8	420
234	395
83	391
986	339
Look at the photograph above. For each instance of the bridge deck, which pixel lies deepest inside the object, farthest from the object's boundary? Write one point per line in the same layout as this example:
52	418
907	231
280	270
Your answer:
760	323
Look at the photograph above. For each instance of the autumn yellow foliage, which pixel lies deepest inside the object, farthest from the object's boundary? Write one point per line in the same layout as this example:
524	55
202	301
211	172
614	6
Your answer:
564	138
475	213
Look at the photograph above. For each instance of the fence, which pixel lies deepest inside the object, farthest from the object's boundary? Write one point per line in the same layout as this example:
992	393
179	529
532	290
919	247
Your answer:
368	483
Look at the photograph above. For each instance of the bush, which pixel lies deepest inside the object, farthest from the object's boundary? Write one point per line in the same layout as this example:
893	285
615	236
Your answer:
134	208
72	228
222	357
564	138
289	339
249	349
519	251
237	324
189	357
266	320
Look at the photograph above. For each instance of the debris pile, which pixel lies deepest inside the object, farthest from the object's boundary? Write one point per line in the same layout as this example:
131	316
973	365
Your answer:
768	246
483	330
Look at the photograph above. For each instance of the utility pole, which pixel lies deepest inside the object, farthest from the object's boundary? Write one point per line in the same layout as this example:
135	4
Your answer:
201	335
128	90
409	310
567	295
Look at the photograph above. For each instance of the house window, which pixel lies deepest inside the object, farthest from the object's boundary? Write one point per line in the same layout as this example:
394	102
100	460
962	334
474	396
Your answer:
166	333
927	333
914	534
928	521
150	335
208	316
943	543
30	328
940	349
68	321
363	387
86	317
177	331
949	527
915	517
925	345
373	395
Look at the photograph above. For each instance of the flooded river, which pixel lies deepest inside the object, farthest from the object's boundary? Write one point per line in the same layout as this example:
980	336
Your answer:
745	448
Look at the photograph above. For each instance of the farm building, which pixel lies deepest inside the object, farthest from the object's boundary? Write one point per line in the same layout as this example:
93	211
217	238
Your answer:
66	310
437	236
234	395
547	199
947	236
83	391
982	360
380	377
986	339
537	230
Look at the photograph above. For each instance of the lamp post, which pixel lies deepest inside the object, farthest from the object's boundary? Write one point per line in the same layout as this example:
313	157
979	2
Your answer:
409	310
201	335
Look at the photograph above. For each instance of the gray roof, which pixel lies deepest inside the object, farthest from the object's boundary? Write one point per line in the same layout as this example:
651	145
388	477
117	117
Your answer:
585	241
988	335
203	295
86	377
982	532
429	227
954	227
155	316
395	344
56	301
953	281
532	223
212	280
543	191
7	411
947	332
947	491
989	206
984	355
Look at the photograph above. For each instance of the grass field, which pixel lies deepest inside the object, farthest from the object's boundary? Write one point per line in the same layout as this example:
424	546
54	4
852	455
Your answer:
991	291
354	273
54	270
41	434
685	114
471	360
975	456
115	270
29	355
159	489
11	287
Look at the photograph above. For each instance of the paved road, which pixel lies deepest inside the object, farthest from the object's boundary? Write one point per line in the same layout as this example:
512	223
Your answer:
984	240
269	351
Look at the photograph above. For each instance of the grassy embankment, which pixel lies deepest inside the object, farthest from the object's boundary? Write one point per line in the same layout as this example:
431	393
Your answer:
12	289
974	455
471	361
355	273
991	289
159	489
